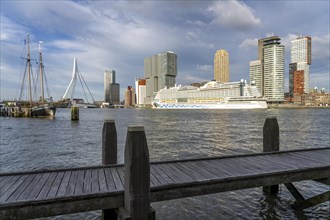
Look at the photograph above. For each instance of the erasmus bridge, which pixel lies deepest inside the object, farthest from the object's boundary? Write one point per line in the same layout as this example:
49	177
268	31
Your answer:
70	91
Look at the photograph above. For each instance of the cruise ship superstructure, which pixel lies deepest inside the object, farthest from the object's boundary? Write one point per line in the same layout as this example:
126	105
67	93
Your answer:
212	95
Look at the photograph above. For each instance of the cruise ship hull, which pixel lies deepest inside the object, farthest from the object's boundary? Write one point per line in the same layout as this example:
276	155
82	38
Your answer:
234	105
212	95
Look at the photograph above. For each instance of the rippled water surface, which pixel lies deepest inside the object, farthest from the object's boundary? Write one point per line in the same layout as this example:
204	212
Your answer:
33	144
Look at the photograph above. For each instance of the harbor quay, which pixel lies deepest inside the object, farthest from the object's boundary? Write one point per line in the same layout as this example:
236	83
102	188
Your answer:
127	191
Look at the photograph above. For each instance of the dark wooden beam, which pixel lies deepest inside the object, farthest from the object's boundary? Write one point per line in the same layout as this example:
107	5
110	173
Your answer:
315	200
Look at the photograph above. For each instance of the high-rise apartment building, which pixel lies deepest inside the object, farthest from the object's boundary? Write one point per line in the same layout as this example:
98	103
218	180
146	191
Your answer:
301	55
221	66
111	88
140	88
273	69
268	71
256	76
298	82
129	97
160	71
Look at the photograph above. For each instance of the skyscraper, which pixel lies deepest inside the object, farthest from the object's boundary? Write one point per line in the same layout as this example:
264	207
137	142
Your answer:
273	68
221	66
301	55
268	70
256	75
129	97
160	71
111	88
140	88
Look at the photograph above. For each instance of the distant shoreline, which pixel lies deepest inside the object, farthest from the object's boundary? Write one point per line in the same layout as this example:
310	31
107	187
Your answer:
289	106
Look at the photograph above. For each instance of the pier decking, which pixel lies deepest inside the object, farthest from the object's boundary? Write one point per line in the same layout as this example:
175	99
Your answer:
36	194
47	193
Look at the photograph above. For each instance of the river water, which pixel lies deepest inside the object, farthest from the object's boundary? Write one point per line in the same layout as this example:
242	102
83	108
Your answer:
33	144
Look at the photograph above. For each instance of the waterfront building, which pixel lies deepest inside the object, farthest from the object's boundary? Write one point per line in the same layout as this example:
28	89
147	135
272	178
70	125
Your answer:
301	54
292	69
268	71
298	82
221	66
129	97
140	88
273	69
160	71
111	88
256	76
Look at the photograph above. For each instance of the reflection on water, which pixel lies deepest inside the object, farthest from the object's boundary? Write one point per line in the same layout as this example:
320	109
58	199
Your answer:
30	144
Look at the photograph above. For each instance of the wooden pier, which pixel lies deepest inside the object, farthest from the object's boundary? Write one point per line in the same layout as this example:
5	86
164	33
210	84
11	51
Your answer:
126	191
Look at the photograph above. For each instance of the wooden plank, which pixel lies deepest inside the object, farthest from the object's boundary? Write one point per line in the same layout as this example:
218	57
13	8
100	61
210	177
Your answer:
116	178
206	173
56	185
64	183
9	184
4	180
193	173
121	173
231	167
110	182
87	181
181	172
95	181
21	188
72	183
172	172
308	159
47	186
38	186
162	174
249	165
153	180
13	188
79	183
281	161
102	181
169	173
212	168
153	172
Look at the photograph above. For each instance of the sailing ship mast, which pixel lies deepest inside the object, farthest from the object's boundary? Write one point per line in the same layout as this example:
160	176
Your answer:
41	70
28	60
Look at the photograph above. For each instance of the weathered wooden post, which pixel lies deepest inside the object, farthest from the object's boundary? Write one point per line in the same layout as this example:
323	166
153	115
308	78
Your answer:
271	142
137	176
109	156
109	143
74	113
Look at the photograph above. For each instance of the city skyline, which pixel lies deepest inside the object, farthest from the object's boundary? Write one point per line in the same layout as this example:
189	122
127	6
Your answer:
120	35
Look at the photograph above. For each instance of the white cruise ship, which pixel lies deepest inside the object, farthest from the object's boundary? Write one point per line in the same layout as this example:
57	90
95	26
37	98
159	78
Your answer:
212	95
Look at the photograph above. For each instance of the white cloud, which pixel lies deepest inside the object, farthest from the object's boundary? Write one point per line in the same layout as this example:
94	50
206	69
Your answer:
286	41
234	14
10	31
249	43
204	67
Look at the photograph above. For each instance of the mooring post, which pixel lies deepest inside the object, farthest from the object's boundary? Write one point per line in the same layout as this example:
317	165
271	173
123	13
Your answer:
271	142
109	143
109	156
137	176
74	113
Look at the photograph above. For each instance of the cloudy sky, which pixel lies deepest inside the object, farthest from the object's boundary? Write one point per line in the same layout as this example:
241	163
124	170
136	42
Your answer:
120	34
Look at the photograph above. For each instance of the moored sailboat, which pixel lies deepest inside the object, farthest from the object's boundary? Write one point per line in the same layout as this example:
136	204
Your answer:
30	108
